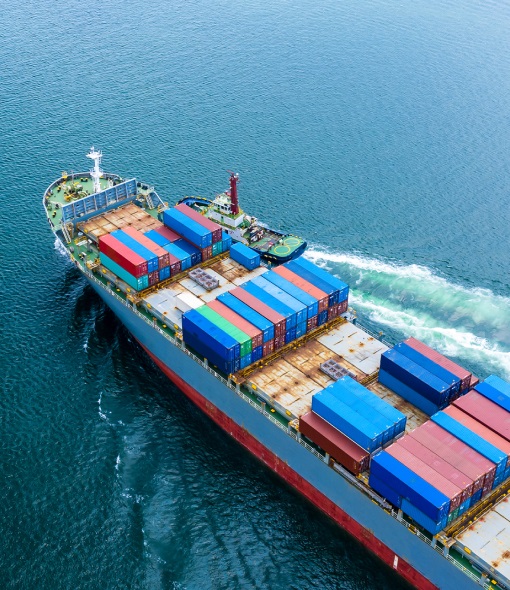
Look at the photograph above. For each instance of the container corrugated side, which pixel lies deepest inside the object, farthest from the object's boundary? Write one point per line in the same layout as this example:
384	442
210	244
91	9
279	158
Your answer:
291	302
187	228
407	393
430	365
311	303
157	238
493	394
384	490
398	418
321	296
215	338
416	377
340	447
127	240
227	241
161	253
249	314
193	251
244	255
272	302
333	293
343	288
485	411
116	251
213	227
241	337
217	248
430	475
422	519
265	310
197	343
409	485
345	419
183	257
136	283
433	460
463	374
253	332
169	234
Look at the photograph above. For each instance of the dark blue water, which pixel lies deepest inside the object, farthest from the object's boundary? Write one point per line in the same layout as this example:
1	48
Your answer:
378	130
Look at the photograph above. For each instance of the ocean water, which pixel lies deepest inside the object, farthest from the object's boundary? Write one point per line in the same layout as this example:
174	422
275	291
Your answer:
378	130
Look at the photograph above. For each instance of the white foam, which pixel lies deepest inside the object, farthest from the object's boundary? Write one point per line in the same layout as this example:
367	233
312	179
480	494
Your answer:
60	248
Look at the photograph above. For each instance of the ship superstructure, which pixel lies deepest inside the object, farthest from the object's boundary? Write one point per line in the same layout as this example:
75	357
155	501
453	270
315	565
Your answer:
281	401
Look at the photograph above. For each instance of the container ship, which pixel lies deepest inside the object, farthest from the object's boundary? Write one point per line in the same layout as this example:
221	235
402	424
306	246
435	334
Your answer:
403	448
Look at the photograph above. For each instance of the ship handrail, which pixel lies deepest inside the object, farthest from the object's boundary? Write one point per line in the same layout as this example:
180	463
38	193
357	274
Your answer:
231	385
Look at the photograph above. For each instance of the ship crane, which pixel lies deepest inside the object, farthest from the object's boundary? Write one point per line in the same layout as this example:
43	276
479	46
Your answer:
96	172
234	202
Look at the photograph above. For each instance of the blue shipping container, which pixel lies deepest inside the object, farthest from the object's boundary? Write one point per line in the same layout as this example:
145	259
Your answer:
138	284
164	273
256	354
249	314
188	228
132	244
197	344
423	520
288	313
214	337
193	251
226	241
157	238
430	366
493	394
384	490
333	294
407	393
284	297
245	360
180	254
343	288
345	419
290	335
245	256
416	377
300	330
322	318
410	486
498	384
312	305
473	440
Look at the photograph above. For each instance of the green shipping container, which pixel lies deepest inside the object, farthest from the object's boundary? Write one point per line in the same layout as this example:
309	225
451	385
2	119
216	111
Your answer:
243	338
217	248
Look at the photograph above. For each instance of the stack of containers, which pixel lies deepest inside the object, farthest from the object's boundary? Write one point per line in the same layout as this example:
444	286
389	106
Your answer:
216	231
417	382
226	242
133	244
245	256
194	252
212	342
164	237
181	255
165	261
188	228
124	262
245	342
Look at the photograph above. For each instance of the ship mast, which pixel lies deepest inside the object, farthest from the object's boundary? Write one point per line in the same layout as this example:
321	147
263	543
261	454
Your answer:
234	203
96	173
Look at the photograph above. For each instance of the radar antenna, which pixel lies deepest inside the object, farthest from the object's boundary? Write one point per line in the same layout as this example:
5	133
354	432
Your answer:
96	173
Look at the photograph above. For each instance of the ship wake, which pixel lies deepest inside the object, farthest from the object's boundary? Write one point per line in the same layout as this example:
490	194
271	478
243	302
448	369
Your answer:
471	325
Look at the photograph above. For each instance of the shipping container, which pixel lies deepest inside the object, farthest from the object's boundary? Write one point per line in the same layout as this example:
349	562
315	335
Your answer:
430	365
341	448
279	342
249	314
183	257
281	295
300	330
333	312
332	292
256	354
193	251
343	288
219	321
214	358
482	409
226	241
117	252
206	253
321	296
463	374
384	490
213	227
136	283
273	303
453	450
153	278
494	395
253	332
311	324
322	318
311	303
407	393
486	433
268	312
384	408
144	240
429	524
345	419
187	228
216	339
472	439
422	381
498	384
430	475
167	233
410	486
132	244
244	255
433	460
290	335
245	361
159	239
217	248
164	273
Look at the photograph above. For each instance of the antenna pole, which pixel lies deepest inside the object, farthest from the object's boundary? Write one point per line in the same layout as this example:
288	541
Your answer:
96	172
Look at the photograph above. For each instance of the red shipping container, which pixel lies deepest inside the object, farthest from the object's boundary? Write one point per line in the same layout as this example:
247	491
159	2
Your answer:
234	318
416	465
175	267
474	382
333	312
268	348
455	452
311	323
206	253
482	409
340	447
451	473
463	374
153	278
213	227
279	342
342	306
168	233
161	253
270	314
130	261
303	284
486	433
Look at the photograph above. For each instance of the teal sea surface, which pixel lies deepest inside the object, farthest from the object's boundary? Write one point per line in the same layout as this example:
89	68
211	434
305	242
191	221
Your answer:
377	130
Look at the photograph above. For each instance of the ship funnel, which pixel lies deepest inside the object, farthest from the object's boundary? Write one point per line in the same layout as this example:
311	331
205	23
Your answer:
234	203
